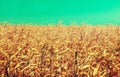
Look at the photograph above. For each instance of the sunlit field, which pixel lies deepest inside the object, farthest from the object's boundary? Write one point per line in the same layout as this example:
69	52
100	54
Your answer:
59	51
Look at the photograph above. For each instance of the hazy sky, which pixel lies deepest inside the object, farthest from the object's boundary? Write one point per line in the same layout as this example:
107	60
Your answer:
51	11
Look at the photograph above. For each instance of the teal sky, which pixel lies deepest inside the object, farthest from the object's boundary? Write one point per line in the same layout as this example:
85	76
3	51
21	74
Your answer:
67	11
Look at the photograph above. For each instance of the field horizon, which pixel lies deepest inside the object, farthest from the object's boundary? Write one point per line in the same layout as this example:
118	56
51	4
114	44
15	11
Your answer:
60	23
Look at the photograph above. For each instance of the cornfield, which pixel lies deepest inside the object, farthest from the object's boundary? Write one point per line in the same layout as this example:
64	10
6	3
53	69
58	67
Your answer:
59	51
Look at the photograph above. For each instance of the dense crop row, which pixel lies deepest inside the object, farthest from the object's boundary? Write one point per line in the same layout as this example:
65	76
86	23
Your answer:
59	51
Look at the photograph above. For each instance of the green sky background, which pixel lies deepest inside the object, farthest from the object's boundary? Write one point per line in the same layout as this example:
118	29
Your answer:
53	11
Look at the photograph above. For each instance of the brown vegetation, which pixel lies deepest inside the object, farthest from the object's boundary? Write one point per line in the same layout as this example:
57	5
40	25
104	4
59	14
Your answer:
59	51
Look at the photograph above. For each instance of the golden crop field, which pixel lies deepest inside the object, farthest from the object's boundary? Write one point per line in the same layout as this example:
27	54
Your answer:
59	51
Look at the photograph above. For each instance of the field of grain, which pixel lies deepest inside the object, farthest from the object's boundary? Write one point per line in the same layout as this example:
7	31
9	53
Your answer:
59	51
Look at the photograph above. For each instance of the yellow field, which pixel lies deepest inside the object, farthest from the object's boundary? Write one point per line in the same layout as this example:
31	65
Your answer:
59	51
